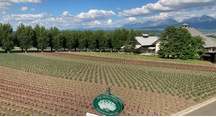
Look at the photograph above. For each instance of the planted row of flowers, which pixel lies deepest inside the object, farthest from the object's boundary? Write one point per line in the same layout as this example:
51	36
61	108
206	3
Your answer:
58	105
171	79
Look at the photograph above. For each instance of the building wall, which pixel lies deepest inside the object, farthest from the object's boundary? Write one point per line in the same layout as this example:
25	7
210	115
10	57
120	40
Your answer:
157	47
212	49
144	49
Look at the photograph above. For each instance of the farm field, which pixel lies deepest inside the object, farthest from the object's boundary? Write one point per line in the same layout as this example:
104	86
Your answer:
66	84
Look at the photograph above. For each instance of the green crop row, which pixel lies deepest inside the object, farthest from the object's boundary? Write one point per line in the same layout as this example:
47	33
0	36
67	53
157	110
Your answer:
184	83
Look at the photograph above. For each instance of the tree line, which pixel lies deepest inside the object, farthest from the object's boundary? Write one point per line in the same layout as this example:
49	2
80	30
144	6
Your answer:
175	42
26	37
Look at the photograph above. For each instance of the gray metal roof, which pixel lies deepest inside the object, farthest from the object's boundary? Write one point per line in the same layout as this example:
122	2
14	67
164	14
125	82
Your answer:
146	41
208	42
145	35
185	24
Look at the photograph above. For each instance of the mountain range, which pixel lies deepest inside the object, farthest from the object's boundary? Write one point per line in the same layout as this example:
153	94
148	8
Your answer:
202	23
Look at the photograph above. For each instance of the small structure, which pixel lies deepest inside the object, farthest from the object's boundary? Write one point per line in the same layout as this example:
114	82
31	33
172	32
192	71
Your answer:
147	44
185	26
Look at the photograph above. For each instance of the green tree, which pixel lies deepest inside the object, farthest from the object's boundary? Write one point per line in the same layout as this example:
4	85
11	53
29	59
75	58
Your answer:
84	42
64	36
151	34
43	40
92	42
36	36
25	35
77	36
178	43
70	37
197	44
119	38
20	33
52	34
1	35
57	41
131	42
100	39
6	37
109	42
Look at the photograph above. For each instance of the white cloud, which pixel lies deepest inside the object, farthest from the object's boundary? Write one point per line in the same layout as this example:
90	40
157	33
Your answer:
94	14
184	3
3	12
166	6
132	18
92	18
24	17
109	22
7	4
24	8
32	9
52	21
25	1
94	23
66	14
128	20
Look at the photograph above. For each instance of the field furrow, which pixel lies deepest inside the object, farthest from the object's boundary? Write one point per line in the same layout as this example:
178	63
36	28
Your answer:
66	84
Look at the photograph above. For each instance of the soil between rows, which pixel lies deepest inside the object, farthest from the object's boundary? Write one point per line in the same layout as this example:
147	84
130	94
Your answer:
136	102
24	93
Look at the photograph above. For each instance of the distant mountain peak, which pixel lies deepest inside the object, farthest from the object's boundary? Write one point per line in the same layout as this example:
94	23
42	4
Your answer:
206	17
202	22
203	18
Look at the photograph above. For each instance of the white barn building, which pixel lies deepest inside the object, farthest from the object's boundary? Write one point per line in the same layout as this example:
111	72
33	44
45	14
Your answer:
147	44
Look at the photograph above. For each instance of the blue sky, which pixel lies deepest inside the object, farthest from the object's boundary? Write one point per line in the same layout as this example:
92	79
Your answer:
67	14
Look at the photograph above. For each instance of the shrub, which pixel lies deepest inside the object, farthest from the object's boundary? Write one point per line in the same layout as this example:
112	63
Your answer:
196	99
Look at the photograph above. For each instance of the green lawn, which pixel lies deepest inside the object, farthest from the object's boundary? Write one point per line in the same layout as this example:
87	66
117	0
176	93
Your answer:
128	56
143	57
17	49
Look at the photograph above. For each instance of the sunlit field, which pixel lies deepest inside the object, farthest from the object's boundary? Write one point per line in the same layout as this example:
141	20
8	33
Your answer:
66	83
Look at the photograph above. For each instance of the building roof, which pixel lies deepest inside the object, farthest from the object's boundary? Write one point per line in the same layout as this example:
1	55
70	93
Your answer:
137	46
208	42
145	35
147	41
185	24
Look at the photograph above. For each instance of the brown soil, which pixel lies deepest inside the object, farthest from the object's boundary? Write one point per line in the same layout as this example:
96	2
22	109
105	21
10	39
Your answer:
23	93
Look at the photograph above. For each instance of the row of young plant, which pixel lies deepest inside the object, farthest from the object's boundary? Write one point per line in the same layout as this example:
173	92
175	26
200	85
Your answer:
50	102
158	79
39	37
184	83
10	109
58	103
